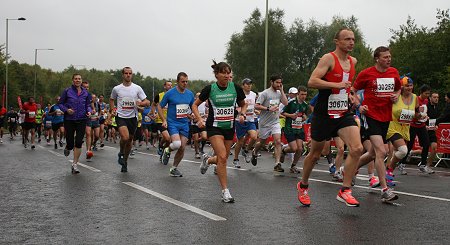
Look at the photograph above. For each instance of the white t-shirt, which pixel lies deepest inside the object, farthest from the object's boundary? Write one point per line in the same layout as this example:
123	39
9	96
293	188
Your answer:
250	99
126	98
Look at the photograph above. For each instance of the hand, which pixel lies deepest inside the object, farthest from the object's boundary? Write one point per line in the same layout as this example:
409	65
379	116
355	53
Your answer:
164	124
241	119
293	116
394	98
346	84
273	108
363	109
88	114
70	111
200	124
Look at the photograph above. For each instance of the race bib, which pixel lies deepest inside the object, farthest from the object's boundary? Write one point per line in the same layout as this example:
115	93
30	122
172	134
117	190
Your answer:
298	122
423	113
250	114
274	102
12	119
337	104
385	87
48	124
432	123
59	112
94	117
224	114
147	119
183	110
128	104
31	114
406	116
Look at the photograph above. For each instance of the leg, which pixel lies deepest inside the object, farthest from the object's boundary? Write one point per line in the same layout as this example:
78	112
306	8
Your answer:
351	137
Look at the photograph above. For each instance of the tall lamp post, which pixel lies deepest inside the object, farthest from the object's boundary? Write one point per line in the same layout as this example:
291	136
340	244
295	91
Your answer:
6	58
35	68
266	44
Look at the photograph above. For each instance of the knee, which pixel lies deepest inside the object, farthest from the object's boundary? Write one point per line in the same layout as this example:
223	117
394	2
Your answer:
175	145
277	141
221	159
401	152
356	150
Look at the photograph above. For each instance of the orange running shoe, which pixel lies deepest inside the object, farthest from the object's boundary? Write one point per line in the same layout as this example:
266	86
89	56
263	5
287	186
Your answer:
347	198
303	196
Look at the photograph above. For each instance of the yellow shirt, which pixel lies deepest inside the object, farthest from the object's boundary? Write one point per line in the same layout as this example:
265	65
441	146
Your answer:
402	115
157	119
139	119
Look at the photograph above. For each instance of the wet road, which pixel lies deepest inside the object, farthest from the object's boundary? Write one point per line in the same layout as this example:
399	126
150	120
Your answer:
43	203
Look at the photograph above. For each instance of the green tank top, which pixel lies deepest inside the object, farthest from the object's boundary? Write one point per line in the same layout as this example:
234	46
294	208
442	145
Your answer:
222	103
39	115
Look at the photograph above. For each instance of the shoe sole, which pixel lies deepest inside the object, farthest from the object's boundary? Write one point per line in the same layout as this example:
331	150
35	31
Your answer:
390	200
173	175
375	186
229	201
346	203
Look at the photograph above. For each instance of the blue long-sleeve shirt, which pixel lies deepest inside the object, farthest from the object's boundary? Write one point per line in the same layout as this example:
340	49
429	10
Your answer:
80	103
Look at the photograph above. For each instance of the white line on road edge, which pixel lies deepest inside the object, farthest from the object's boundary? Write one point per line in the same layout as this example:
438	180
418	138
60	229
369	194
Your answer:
399	192
86	166
176	202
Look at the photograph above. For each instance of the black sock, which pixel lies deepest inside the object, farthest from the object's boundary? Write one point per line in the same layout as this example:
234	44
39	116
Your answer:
345	188
303	186
329	158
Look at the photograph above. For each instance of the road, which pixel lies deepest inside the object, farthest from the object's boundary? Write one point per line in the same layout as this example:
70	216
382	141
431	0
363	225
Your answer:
43	203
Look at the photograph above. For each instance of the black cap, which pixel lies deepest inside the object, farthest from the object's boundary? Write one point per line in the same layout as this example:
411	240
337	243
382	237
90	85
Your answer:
247	80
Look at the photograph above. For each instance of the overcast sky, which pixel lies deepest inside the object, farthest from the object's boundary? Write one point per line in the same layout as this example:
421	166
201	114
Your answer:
159	38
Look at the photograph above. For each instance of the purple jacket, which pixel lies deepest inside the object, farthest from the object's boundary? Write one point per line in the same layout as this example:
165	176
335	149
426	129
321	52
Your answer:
80	103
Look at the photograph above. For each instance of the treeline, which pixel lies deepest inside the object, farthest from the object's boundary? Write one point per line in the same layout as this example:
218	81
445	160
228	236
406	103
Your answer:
421	52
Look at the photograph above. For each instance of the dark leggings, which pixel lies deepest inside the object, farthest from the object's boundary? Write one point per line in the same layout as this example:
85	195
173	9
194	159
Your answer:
424	141
74	133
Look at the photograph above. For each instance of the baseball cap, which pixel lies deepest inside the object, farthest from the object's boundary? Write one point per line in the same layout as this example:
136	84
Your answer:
293	90
247	80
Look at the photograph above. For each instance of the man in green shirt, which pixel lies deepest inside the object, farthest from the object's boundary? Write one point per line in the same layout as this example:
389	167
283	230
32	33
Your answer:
295	113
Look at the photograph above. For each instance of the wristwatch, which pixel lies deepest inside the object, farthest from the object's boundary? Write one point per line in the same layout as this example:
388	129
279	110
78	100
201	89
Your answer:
268	108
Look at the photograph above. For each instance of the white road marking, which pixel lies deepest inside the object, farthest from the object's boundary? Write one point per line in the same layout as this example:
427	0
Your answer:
176	202
86	166
378	189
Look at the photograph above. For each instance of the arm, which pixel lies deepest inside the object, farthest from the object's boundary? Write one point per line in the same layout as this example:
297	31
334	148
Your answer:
243	106
284	99
161	115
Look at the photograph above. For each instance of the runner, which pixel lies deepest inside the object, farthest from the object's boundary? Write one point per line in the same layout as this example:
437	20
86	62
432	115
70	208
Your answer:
147	123
179	101
433	114
57	123
333	76
3	113
30	110
199	134
94	122
381	84
128	95
38	125
222	97
164	139
295	113
12	118
75	102
88	131
445	115
403	112
418	127
47	121
248	128
103	115
269	123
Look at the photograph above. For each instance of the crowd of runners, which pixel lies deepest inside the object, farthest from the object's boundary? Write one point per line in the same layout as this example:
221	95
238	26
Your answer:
374	115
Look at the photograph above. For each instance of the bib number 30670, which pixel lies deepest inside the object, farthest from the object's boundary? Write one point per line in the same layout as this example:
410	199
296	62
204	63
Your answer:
337	104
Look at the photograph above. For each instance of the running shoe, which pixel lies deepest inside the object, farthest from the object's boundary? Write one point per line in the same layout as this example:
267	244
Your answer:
332	168
236	163
89	155
347	198
60	143
66	152
102	145
132	152
174	172
226	196
374	182
388	195
303	197
39	140
426	170
120	159
33	146
160	151
390	178
197	156
254	159
278	168
94	147
56	146
294	169
124	168
402	169
75	169
246	156
148	147
166	156
338	177
204	164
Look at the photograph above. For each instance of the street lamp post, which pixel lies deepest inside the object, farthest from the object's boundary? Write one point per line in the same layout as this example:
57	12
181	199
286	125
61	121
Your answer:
6	59
35	68
266	44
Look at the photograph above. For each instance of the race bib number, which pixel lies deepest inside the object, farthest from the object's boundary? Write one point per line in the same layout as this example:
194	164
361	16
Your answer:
183	110
128	104
31	114
406	116
94	117
48	124
298	122
423	113
432	123
12	119
274	102
250	114
385	87
337	104
59	112
224	114
147	119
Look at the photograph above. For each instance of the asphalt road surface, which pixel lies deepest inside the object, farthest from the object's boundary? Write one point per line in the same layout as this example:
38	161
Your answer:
43	203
